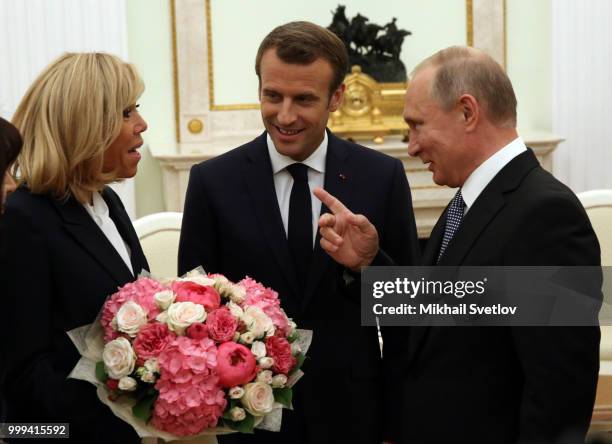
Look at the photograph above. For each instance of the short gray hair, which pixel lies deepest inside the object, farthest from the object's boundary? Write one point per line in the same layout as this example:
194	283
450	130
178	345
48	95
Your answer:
463	70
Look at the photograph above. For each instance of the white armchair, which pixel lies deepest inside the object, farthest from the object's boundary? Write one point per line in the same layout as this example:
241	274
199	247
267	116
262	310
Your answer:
598	205
159	235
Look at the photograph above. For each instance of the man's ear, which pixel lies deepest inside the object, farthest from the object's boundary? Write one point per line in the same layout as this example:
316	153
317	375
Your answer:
336	98
470	110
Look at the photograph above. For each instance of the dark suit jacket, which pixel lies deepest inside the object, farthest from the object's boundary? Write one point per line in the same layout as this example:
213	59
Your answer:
60	270
502	384
232	225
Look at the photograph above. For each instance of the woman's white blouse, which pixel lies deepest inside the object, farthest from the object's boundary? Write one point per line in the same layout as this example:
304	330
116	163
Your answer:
99	213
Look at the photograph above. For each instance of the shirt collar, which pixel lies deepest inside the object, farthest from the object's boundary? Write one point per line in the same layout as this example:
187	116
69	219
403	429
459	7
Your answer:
481	176
99	207
316	160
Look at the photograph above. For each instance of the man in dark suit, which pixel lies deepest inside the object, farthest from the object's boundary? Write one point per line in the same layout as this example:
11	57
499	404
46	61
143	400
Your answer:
477	384
251	212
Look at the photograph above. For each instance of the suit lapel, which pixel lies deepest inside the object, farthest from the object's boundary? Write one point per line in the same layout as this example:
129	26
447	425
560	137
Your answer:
260	185
338	183
483	211
126	230
79	224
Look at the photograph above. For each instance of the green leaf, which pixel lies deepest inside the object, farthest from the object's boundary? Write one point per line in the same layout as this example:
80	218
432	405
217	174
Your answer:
245	426
300	361
101	374
293	337
144	407
283	396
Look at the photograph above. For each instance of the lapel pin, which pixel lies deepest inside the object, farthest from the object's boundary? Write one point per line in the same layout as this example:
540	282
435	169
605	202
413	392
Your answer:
342	176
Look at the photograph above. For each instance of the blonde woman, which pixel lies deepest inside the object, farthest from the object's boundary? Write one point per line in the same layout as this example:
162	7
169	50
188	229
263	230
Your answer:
70	240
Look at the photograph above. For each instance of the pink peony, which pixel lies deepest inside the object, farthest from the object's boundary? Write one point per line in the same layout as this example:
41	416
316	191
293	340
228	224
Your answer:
266	299
141	291
235	364
197	331
279	349
196	293
151	340
221	324
185	409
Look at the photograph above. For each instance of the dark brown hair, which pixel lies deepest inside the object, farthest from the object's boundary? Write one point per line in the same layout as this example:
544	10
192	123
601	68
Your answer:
10	146
302	43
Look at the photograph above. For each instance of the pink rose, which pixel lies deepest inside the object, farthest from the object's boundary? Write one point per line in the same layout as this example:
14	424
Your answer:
279	349
187	291
221	324
151	340
197	331
235	364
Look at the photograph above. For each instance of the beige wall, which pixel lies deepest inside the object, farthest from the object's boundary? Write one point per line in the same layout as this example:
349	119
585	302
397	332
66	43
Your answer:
150	48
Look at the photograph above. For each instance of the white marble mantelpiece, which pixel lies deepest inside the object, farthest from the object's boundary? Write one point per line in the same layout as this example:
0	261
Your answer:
428	198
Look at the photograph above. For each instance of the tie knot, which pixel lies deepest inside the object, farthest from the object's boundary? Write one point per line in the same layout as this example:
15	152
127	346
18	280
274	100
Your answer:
298	171
458	201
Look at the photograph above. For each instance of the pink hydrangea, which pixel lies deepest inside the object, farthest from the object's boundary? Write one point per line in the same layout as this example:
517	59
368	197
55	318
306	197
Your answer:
188	408
141	291
266	299
190	397
185	357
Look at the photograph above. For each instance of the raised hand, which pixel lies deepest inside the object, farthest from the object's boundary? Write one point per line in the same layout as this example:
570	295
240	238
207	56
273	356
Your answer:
350	239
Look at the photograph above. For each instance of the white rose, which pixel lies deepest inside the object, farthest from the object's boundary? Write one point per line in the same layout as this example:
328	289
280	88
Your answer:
279	381
148	376
130	318
127	384
258	322
152	365
237	414
163	299
235	310
265	376
258	398
236	392
292	327
237	293
162	317
182	314
247	337
199	279
119	358
236	337
266	362
258	349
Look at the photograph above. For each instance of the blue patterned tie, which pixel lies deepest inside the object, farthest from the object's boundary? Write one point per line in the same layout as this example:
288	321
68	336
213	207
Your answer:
453	220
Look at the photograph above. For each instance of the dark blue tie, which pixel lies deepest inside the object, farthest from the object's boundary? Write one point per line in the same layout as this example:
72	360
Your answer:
300	221
454	216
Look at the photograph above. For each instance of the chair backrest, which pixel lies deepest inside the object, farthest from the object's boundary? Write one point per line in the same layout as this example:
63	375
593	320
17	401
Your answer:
159	235
598	205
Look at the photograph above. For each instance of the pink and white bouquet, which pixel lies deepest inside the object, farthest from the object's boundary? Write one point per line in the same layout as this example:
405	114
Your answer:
197	355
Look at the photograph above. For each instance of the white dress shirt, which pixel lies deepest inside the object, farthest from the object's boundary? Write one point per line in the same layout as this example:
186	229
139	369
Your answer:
99	213
481	176
283	181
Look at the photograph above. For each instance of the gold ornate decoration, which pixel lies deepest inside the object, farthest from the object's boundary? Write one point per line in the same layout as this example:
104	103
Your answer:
195	126
177	99
370	110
